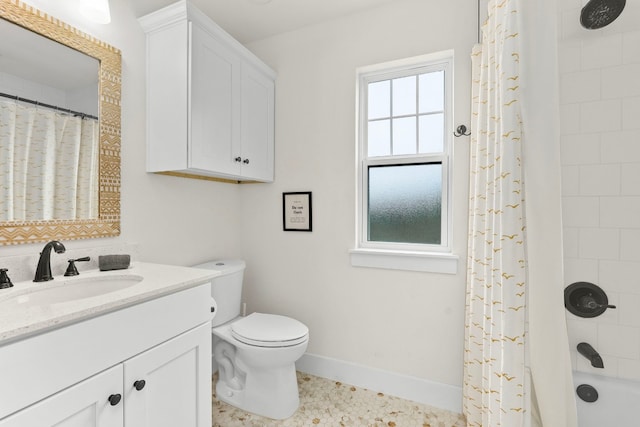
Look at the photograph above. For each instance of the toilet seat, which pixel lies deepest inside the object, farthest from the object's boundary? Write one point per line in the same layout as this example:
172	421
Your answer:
269	330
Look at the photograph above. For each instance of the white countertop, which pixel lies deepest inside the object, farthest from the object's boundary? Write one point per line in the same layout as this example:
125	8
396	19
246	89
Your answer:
158	280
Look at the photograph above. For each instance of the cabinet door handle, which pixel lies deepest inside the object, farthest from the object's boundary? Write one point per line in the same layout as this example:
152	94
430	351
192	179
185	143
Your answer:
245	161
238	159
114	399
139	385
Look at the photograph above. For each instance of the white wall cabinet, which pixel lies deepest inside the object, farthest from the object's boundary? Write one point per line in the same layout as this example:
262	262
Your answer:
91	373
210	101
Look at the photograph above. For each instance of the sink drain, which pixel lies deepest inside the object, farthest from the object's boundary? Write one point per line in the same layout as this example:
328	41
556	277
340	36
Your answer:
587	393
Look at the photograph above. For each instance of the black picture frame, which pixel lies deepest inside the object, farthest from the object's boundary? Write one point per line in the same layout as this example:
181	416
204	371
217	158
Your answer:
297	213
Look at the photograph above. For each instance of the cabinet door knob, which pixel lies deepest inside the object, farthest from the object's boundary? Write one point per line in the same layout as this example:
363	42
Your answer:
139	385
114	399
238	159
245	161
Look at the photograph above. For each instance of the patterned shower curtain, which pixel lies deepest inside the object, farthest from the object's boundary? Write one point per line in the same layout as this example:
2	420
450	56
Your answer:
517	362
48	164
495	385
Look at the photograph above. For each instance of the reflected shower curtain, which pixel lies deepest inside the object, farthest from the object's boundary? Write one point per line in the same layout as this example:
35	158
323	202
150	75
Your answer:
509	266
48	164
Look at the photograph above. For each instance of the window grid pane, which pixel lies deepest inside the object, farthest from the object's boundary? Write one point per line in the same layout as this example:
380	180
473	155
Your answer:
420	97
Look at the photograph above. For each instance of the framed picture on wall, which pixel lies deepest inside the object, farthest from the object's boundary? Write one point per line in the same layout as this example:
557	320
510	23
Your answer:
296	211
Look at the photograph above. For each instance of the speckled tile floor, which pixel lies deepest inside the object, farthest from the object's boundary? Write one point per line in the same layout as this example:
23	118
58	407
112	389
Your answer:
329	403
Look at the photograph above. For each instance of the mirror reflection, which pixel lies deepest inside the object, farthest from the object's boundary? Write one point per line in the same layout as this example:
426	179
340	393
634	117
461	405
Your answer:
49	129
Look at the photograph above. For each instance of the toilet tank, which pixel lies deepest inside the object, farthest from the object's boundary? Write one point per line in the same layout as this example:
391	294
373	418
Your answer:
226	289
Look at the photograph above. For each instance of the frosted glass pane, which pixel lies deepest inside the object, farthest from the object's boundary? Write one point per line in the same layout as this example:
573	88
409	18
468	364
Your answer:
379	103
379	138
404	136
431	93
431	133
404	96
405	203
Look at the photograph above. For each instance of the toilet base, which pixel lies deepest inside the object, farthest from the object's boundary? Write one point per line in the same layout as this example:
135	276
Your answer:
272	394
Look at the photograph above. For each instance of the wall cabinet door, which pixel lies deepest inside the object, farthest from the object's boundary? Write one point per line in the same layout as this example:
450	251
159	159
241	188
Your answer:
177	383
257	124
214	139
86	404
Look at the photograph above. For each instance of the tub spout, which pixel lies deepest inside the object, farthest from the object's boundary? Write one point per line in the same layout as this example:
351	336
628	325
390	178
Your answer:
590	353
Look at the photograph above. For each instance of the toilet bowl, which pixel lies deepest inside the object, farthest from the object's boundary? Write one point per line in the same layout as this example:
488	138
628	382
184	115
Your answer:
256	354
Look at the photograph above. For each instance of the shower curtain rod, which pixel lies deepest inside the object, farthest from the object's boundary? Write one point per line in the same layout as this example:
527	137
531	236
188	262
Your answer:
53	107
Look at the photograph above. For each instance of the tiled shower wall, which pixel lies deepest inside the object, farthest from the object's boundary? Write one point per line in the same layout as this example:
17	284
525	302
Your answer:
600	146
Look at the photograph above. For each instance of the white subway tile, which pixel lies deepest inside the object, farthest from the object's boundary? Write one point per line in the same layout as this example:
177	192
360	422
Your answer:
601	116
580	270
631	47
600	180
581	86
570	242
628	310
620	147
631	113
603	51
569	56
619	276
630	177
580	149
581	211
621	81
569	119
599	243
618	341
630	247
570	180
620	212
581	330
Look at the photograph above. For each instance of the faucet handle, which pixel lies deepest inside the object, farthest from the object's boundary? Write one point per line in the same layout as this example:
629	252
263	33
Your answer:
5	282
71	269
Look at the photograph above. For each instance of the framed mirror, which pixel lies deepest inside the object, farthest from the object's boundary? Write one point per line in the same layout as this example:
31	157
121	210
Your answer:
93	209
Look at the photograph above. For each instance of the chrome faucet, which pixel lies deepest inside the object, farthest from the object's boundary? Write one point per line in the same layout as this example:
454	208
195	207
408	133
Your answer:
43	272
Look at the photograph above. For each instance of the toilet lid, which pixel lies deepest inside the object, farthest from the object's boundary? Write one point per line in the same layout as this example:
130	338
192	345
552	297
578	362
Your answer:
269	330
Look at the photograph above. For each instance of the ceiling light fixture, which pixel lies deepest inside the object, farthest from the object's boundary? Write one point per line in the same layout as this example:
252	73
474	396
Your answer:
96	11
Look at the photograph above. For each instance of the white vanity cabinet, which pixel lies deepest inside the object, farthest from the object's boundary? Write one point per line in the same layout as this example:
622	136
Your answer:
140	366
210	101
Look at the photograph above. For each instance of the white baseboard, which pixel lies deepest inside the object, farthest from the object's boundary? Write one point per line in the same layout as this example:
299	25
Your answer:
430	393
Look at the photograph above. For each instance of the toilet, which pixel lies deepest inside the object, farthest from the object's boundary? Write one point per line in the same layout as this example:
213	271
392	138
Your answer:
255	354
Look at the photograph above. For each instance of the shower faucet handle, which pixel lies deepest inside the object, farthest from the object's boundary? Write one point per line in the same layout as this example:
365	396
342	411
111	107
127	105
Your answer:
589	302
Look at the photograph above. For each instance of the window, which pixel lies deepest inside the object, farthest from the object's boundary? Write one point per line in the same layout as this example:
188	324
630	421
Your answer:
403	161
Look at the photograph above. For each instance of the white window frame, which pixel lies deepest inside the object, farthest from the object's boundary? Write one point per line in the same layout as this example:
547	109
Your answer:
404	256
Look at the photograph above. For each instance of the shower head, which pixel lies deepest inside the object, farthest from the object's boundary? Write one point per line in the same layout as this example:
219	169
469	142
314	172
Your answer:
600	13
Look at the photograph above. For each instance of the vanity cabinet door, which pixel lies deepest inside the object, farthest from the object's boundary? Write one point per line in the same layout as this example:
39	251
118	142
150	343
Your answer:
177	383
95	402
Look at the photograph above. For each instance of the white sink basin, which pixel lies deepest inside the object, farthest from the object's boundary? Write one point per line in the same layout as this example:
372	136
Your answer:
51	293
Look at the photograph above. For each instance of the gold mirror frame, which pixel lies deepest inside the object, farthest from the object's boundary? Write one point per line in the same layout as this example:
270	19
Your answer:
108	222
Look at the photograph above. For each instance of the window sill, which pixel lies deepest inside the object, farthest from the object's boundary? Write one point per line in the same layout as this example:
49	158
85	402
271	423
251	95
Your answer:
431	262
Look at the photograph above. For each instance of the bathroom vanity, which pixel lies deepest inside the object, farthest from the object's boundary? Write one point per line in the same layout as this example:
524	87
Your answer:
135	356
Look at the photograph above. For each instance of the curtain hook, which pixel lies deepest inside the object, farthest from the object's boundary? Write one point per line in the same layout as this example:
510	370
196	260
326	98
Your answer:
461	131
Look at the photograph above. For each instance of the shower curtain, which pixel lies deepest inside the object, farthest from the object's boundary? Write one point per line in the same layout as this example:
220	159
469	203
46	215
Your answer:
48	164
517	370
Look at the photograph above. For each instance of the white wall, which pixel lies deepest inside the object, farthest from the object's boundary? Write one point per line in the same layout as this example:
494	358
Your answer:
405	322
600	111
172	220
